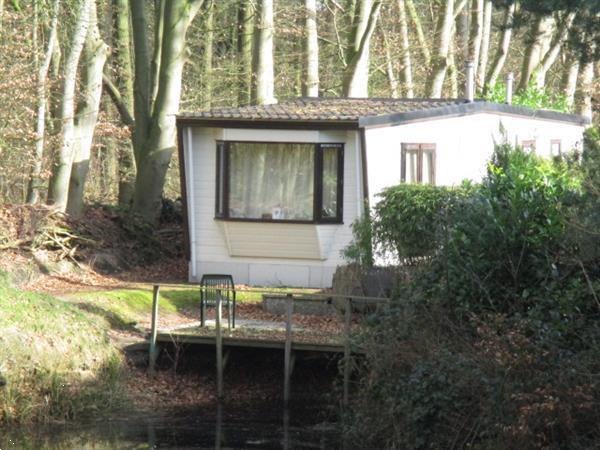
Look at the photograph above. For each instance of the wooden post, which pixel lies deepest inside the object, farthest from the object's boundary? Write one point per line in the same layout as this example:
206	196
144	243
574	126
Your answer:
347	324
287	363
219	339
152	354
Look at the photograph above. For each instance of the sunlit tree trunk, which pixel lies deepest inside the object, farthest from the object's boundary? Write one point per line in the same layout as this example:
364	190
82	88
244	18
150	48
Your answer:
245	38
94	56
476	34
485	44
61	173
539	36
356	76
435	81
562	33
503	45
405	48
414	17
154	136
586	89
569	79
311	83
207	57
264	75
35	182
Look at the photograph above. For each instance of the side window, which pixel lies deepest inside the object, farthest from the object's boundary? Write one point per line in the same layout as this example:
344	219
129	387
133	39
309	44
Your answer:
555	147
528	145
418	163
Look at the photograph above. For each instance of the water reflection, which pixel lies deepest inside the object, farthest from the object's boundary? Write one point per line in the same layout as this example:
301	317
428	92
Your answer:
183	430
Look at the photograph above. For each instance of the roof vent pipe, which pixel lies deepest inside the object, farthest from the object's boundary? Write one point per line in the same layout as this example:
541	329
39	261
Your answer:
510	78
470	82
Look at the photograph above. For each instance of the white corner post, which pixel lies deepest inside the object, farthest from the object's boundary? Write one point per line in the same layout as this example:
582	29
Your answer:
510	79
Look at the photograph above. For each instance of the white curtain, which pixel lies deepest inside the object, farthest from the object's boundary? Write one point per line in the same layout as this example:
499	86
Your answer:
330	186
271	181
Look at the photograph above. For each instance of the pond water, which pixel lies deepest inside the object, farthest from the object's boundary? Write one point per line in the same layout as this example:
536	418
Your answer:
218	429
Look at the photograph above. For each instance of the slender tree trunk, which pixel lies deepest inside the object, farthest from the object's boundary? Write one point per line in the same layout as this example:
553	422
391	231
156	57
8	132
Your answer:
463	31
586	89
405	47
356	76
452	69
311	84
414	17
264	76
569	80
389	66
436	78
159	26
35	182
207	57
538	38
485	44
61	173
562	33
503	46
124	79
477	16
154	148
94	57
245	38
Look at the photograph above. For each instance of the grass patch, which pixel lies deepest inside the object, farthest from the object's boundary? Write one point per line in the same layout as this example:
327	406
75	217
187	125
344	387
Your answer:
57	360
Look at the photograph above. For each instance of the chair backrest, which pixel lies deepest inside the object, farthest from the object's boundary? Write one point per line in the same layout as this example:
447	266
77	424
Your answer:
210	284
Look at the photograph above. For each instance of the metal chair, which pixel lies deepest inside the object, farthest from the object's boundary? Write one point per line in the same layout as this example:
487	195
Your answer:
213	285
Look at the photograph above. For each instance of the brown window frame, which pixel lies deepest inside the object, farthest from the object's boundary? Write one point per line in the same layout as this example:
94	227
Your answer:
556	142
421	150
530	144
223	184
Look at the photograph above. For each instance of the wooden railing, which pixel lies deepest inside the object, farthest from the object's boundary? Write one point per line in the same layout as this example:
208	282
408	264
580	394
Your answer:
289	311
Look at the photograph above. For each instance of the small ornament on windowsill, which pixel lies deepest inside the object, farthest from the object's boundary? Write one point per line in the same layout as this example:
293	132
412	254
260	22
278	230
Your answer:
277	213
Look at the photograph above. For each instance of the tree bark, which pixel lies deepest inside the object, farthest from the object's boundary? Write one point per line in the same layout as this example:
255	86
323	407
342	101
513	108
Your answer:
539	36
245	38
207	57
311	84
389	66
435	82
586	89
477	16
405	48
485	45
95	53
264	75
35	182
414	16
562	33
503	46
124	79
356	76
154	140
569	80
61	173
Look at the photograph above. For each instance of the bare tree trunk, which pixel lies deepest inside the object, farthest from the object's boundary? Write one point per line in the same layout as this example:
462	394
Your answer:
245	38
485	45
569	80
94	57
159	29
463	31
562	33
124	79
539	36
435	81
35	182
61	173
154	137
503	46
264	76
476	32
405	47
356	76
311	84
207	57
452	70
586	90
414	16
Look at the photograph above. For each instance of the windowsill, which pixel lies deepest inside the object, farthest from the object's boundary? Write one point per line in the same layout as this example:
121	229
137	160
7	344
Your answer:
282	221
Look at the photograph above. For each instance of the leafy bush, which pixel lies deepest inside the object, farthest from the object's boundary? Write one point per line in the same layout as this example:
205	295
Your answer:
533	97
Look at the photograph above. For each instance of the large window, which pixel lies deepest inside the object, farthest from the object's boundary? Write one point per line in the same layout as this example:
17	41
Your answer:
267	181
418	163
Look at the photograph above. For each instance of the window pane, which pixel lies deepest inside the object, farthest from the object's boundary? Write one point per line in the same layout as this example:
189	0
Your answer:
220	179
330	182
411	166
271	181
428	167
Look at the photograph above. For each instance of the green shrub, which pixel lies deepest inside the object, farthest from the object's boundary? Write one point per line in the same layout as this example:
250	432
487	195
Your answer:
533	97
